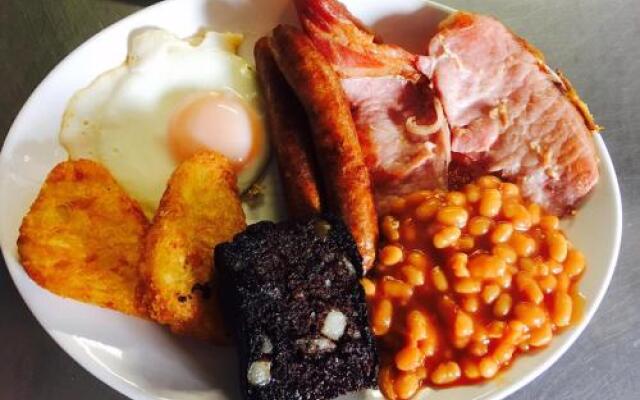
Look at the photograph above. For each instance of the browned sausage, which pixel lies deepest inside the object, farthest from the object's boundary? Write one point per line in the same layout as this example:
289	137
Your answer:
290	134
344	173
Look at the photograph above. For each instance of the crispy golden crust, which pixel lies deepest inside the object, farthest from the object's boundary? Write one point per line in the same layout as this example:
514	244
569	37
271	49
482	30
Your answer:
83	237
199	209
345	174
290	134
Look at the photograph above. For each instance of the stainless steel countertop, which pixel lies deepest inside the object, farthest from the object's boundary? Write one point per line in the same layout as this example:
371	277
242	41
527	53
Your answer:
596	43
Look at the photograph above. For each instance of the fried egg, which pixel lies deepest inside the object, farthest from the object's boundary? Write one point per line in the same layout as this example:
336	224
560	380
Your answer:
171	98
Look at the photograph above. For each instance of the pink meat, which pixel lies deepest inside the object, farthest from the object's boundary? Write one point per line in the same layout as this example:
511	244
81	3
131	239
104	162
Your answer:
400	124
510	113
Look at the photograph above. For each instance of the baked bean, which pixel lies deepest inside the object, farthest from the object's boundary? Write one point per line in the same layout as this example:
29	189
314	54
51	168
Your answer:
557	246
543	269
490	293
509	189
470	369
417	326
488	367
528	265
427	210
386	382
488	182
416	198
412	275
504	281
478	349
480	333
470	304
490	203
502	232
458	264
456	198
523	244
541	336
446	237
518	214
381	317
502	305
574	263
396	288
408	231
532	291
418	259
547	283
504	352
409	358
495	329
467	286
391	255
563	282
554	266
549	222
389	228
535	212
562	309
428	346
473	193
369	287
485	266
446	373
505	252
465	243
463	325
515	331
439	279
530	314
479	225
397	205
421	372
453	216
406	385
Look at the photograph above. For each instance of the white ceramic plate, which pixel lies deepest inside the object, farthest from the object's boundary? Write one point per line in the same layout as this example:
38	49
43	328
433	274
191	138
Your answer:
140	359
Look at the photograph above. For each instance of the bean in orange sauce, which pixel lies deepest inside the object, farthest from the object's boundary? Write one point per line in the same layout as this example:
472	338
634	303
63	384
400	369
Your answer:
464	282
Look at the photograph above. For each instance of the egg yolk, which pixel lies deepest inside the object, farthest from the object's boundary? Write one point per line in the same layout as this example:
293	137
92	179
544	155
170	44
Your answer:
219	122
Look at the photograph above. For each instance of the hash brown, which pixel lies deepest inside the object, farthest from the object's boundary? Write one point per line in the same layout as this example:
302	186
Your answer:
199	209
83	237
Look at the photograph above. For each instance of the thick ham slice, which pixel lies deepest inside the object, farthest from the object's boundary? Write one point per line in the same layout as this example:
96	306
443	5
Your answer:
510	113
400	124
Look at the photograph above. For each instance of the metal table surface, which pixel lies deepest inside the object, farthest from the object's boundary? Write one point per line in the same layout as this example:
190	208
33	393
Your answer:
596	43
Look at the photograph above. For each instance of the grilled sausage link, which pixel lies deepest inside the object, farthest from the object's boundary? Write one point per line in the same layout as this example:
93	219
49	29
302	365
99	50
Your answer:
290	135
345	175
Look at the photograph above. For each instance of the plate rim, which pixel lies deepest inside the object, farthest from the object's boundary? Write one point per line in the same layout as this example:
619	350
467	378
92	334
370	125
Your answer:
134	392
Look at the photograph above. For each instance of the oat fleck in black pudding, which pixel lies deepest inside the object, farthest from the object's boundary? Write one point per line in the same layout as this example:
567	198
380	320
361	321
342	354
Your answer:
291	294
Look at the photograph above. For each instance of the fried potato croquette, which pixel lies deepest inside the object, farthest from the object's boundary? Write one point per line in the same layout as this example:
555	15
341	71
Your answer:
199	209
83	237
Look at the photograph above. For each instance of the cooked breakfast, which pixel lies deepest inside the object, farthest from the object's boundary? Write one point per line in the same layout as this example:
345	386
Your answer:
424	193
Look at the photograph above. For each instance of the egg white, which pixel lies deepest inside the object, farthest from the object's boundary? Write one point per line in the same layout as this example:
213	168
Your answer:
121	119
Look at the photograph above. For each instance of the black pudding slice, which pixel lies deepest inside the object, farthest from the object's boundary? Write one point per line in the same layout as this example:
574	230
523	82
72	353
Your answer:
291	294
